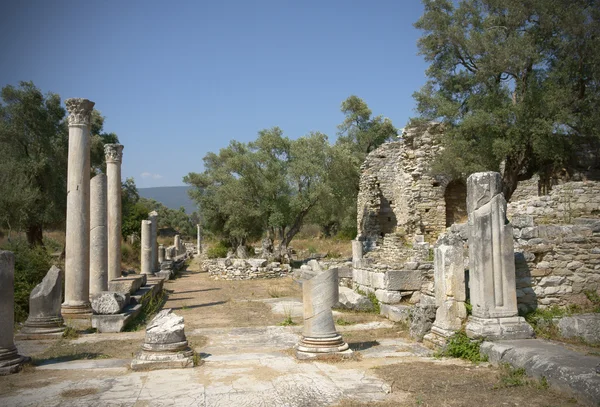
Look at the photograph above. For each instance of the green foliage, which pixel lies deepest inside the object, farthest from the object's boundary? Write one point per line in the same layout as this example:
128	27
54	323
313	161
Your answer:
70	333
151	307
31	265
376	306
33	169
217	250
594	299
461	346
469	308
542	321
512	377
512	81
343	322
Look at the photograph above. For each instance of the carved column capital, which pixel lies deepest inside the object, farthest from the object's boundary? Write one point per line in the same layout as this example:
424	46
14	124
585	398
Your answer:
80	111
113	153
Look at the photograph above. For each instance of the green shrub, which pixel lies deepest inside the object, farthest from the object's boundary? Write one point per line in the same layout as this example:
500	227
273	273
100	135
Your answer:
461	346
31	265
218	250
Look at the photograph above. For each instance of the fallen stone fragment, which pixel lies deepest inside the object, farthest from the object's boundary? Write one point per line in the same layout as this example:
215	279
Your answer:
349	299
45	319
108	302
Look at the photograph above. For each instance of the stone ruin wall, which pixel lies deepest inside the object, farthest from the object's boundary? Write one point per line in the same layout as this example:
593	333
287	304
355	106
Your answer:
402	211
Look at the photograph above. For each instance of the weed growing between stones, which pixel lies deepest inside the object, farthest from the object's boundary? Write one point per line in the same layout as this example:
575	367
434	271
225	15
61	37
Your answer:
70	333
274	292
461	346
594	298
371	296
150	308
515	377
287	312
542	320
343	322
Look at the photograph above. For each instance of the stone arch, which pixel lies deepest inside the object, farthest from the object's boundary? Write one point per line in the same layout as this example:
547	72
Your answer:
455	198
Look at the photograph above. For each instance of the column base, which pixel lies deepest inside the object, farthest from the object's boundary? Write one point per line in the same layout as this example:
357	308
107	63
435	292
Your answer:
11	361
164	356
42	328
78	317
498	328
72	309
310	347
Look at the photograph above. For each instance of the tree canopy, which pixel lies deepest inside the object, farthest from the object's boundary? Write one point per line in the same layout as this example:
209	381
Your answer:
33	169
517	83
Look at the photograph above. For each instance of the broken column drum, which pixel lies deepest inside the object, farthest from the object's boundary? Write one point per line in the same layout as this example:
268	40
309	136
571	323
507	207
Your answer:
177	244
161	254
45	319
165	346
114	156
492	283
77	247
146	247
10	360
153	217
319	335
98	236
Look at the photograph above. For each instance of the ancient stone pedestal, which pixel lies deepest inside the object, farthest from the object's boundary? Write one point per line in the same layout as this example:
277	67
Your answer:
10	360
491	263
146	248
77	247
114	156
98	236
450	290
153	217
45	320
166	346
319	336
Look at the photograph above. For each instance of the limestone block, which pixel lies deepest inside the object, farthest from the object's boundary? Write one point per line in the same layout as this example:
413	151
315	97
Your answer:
377	280
362	277
350	299
406	280
422	318
44	306
396	313
388	297
257	262
584	326
314	265
108	303
129	284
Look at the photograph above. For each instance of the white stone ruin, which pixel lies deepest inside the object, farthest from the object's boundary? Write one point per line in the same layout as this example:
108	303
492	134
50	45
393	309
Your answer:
98	236
146	248
319	336
165	346
10	360
114	156
492	284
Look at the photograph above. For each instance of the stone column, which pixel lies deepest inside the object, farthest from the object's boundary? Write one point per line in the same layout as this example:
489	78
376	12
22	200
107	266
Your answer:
146	244
319	335
177	244
493	291
161	254
357	253
98	236
114	156
153	217
77	247
198	240
450	290
10	360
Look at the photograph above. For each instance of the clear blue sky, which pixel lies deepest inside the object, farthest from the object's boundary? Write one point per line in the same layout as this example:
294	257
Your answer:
176	80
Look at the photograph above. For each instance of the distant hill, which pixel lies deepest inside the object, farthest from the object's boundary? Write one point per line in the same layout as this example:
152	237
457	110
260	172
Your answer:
171	197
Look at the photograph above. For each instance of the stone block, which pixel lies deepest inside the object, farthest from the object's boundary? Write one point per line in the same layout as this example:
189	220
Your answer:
407	280
396	313
45	301
129	284
257	262
109	303
388	297
349	299
584	326
422	318
377	280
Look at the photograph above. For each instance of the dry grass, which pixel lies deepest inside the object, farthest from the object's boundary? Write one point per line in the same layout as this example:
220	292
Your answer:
328	247
436	384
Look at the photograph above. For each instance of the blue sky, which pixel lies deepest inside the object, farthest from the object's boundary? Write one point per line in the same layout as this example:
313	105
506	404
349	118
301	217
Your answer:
176	80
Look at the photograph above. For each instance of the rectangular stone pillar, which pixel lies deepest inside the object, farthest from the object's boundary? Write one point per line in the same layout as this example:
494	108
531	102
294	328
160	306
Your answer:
153	217
450	290
493	290
177	244
77	247
10	360
98	236
146	248
114	156
198	239
357	253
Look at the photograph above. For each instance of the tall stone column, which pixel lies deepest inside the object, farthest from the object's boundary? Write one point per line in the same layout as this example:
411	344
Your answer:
10	360
153	217
77	247
198	239
114	156
491	263
319	335
98	236
146	243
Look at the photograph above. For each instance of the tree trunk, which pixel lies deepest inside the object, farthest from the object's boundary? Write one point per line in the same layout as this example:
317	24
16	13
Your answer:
515	170
294	229
35	235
